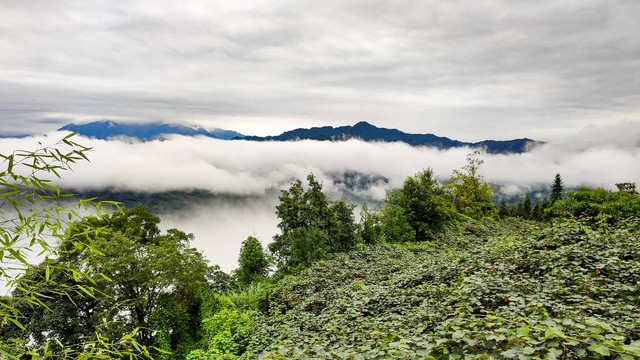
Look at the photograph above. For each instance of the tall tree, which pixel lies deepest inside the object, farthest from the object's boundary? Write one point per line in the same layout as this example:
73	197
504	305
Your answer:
527	207
503	211
467	186
556	189
145	271
253	263
32	221
422	202
310	214
536	212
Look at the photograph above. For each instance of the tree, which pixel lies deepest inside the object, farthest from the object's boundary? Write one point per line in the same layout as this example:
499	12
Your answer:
369	230
154	277
520	211
422	203
309	214
470	190
253	263
627	187
596	205
527	207
32	221
536	212
556	189
503	211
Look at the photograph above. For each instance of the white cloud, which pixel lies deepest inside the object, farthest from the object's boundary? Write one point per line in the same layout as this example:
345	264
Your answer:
256	170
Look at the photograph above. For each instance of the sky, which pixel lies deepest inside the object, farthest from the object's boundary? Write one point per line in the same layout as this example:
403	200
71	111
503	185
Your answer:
468	70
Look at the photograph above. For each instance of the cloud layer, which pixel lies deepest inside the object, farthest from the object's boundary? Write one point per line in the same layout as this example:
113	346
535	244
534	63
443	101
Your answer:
596	157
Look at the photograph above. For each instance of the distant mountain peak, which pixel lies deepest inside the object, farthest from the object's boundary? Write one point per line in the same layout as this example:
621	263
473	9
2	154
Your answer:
363	124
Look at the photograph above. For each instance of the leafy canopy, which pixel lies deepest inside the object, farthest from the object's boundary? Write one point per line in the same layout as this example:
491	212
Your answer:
312	226
472	195
253	263
32	222
421	203
153	277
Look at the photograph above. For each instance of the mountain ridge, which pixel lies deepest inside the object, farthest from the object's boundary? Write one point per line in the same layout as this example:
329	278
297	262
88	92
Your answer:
107	129
362	130
367	132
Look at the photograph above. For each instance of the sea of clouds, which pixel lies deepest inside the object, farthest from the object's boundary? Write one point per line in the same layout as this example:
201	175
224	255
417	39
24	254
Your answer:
255	171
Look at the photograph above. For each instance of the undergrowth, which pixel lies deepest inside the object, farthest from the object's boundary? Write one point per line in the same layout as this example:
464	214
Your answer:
490	290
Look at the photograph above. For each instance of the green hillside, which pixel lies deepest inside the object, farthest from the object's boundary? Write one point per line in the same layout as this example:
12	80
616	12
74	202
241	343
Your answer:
510	289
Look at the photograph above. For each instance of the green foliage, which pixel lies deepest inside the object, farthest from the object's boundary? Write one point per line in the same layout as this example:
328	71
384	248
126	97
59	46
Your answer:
510	290
253	263
556	189
155	279
307	247
227	331
32	222
422	203
253	297
312	226
527	207
472	195
369	231
218	280
394	226
596	203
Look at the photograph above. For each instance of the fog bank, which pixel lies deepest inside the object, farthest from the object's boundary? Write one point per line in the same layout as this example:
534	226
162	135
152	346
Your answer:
596	157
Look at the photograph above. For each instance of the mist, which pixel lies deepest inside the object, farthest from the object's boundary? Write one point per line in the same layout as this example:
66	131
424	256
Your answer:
256	171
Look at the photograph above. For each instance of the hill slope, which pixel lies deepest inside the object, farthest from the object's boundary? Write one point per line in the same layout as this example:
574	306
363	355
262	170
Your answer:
515	291
368	132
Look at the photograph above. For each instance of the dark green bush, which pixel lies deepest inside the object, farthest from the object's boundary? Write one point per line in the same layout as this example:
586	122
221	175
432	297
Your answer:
594	203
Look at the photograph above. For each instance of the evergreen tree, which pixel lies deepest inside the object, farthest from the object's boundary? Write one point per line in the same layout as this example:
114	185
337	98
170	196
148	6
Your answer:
556	189
527	207
536	212
503	211
520	208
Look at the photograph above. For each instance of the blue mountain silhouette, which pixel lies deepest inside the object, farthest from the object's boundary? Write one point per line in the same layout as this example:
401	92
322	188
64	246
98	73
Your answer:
109	129
368	132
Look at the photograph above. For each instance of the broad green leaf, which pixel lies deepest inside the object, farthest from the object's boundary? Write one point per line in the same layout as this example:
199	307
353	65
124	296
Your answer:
523	330
600	349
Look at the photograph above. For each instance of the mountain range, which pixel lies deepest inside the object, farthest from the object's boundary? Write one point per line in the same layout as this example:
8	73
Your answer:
109	129
368	132
362	130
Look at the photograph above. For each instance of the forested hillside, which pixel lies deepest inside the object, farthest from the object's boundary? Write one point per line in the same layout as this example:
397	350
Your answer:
506	290
436	271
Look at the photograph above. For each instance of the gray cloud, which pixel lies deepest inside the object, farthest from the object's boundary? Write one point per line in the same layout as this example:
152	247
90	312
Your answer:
460	69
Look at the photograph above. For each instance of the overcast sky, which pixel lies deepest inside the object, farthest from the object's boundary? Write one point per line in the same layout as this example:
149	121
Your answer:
469	70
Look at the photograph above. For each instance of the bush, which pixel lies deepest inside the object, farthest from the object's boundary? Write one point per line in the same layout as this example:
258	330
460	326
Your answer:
594	203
